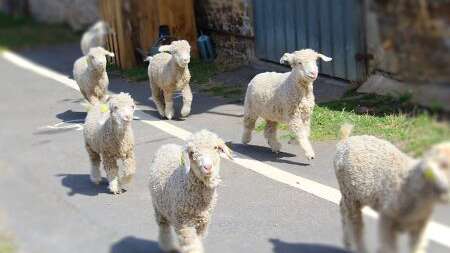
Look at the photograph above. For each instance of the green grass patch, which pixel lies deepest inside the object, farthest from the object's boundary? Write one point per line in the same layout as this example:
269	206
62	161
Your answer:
21	32
412	129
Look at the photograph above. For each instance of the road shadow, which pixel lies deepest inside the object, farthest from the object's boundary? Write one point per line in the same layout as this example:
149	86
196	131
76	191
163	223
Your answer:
263	154
81	184
131	244
285	247
70	116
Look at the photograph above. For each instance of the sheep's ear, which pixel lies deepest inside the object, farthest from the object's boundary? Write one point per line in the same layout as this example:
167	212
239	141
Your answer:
224	149
166	48
107	53
287	58
433	174
324	57
185	161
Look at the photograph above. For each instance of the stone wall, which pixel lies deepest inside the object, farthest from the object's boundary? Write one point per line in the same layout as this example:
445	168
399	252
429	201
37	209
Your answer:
230	24
77	13
410	39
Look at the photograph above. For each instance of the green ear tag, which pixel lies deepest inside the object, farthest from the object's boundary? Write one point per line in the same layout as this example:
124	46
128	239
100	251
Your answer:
104	108
182	160
429	175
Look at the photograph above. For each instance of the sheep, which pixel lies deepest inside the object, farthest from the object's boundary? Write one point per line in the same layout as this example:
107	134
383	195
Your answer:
284	98
90	74
95	36
168	72
108	137
183	182
373	172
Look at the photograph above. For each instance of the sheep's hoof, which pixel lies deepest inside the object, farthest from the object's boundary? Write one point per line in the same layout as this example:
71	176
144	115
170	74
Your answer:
310	156
169	116
276	147
114	187
185	112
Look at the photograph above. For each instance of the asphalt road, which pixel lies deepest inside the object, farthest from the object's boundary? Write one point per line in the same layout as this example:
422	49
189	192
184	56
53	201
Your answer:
50	205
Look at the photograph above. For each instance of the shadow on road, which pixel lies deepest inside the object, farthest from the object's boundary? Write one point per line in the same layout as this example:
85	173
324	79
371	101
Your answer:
285	247
72	116
81	184
263	154
131	244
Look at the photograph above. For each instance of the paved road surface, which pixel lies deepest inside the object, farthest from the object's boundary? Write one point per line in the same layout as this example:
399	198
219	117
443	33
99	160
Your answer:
51	206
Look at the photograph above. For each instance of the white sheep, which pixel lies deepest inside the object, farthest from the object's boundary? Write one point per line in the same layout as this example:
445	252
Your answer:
373	172
284	97
108	137
168	72
183	182
90	74
95	36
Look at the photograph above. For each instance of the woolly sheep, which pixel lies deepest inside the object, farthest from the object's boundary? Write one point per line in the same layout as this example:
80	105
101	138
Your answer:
168	72
95	36
90	74
284	97
108	137
373	172
183	182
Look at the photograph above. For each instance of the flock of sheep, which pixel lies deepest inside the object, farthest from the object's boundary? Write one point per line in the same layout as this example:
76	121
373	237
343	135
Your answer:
183	179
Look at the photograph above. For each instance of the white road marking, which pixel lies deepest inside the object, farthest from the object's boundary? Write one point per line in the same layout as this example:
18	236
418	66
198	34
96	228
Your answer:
74	124
436	232
39	69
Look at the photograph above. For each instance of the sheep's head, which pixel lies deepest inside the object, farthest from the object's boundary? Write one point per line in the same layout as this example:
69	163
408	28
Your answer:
121	107
436	170
304	63
202	157
103	28
180	50
96	58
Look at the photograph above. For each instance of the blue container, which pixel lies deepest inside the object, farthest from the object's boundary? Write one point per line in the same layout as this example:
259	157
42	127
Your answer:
205	48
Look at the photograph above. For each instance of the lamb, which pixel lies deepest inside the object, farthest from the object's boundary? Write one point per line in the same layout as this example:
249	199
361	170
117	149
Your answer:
108	137
90	74
284	98
168	72
183	182
373	172
95	36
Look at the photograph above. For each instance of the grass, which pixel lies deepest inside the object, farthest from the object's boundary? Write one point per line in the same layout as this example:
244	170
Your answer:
412	129
22	32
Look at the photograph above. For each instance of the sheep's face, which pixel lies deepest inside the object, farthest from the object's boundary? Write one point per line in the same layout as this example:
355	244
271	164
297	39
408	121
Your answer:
304	63
180	50
202	157
436	170
96	59
122	108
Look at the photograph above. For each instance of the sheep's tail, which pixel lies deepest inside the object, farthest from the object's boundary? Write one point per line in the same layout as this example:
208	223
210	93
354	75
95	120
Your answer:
149	59
345	131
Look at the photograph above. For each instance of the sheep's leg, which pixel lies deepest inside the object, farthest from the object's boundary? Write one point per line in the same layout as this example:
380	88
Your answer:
166	240
187	101
189	240
302	131
270	132
249	125
353	226
157	99
168	101
95	165
418	241
129	168
202	228
387	235
112	173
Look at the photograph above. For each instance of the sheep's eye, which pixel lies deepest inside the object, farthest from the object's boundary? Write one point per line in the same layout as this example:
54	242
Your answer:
115	108
444	165
133	107
191	154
